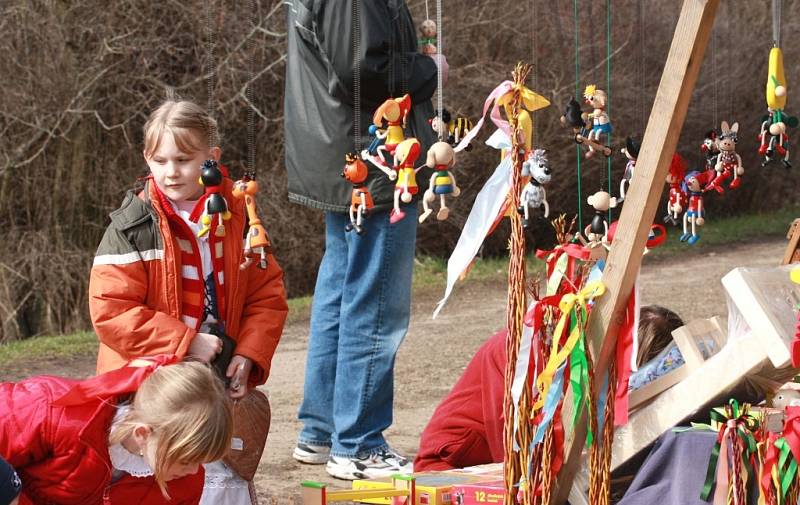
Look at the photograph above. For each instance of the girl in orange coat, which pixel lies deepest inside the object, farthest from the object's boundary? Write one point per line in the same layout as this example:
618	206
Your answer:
158	288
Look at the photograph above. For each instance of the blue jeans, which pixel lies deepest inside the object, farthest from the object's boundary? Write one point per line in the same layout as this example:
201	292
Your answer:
359	317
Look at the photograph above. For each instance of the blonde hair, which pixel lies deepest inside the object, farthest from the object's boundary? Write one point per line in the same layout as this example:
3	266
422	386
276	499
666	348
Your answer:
193	129
188	411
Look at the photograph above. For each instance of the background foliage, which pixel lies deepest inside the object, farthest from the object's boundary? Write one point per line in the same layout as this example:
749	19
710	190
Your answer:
79	77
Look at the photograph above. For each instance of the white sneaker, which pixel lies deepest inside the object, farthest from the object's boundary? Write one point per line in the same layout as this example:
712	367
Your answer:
311	454
383	464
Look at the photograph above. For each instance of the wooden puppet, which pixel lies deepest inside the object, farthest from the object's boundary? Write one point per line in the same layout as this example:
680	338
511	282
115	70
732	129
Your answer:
729	163
575	118
405	155
441	158
389	120
677	199
452	129
596	232
256	243
695	213
709	149
533	195
355	172
631	151
601	123
215	204
427	39
773	138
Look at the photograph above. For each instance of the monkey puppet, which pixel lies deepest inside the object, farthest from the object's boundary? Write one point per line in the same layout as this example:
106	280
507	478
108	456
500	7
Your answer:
596	232
441	158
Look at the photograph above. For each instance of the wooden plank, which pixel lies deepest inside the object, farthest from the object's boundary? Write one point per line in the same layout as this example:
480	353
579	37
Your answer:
792	254
666	120
718	374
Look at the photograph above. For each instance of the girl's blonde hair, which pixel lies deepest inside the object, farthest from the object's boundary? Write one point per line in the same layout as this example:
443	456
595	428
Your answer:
189	413
194	130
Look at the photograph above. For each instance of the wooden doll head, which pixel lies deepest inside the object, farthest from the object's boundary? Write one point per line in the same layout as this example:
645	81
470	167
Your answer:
355	170
428	29
393	110
440	154
407	152
597	98
602	201
728	138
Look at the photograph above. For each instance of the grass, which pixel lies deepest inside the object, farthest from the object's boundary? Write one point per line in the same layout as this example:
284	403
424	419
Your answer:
731	230
431	273
61	346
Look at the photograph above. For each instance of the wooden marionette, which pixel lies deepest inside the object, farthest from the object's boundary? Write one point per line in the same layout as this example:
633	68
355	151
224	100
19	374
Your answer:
596	232
696	183
452	129
389	120
709	149
355	172
405	155
631	151
677	199
256	243
441	158
601	123
427	39
578	120
773	138
729	163
215	204
533	195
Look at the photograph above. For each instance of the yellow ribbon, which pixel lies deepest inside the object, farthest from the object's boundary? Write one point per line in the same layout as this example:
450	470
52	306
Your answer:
558	356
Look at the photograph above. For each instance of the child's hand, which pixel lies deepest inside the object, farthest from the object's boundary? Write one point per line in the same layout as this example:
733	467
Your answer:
239	371
440	59
205	347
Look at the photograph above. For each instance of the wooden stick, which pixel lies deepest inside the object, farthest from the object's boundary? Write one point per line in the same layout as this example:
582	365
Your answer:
641	203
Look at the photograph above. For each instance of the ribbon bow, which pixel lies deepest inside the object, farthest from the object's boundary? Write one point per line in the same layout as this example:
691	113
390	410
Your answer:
558	356
115	383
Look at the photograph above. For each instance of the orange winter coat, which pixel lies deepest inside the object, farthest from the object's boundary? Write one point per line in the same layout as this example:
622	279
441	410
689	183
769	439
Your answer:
135	289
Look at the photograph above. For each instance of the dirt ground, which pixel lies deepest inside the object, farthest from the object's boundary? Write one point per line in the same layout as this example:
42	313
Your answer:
435	352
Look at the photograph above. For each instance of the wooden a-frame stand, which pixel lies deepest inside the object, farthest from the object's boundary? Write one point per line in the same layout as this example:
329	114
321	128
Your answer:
671	103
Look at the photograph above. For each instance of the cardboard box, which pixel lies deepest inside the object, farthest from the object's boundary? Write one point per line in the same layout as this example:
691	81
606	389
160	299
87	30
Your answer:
479	493
433	488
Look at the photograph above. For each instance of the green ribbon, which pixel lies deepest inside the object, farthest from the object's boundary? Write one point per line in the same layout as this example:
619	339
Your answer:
786	475
579	375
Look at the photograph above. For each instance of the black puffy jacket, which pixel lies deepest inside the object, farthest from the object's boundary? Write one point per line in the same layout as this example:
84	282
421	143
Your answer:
319	98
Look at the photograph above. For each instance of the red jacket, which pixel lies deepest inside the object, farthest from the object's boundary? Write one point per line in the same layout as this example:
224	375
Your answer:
61	453
467	427
135	289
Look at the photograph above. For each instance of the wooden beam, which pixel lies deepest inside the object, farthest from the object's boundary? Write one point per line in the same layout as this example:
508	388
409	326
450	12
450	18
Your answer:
664	126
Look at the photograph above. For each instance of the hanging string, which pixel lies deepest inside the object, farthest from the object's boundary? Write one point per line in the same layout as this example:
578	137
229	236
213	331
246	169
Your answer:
250	169
776	22
357	74
211	70
404	53
608	90
535	60
427	15
577	97
392	56
642	119
714	36
440	52
729	71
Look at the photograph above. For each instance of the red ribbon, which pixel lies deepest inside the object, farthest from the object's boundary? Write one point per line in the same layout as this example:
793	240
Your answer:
124	380
791	430
770	460
623	355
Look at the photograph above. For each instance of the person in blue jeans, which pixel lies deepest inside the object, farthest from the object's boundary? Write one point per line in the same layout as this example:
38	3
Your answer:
362	298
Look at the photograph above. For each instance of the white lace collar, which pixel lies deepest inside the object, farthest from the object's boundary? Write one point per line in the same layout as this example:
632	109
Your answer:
121	458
